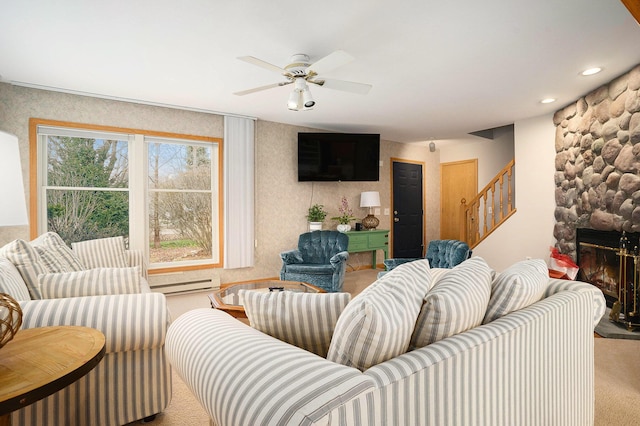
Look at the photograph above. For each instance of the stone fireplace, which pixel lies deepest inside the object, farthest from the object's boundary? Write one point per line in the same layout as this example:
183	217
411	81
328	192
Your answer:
597	191
597	162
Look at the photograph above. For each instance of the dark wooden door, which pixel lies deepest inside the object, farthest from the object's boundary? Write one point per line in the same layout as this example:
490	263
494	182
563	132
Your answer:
407	210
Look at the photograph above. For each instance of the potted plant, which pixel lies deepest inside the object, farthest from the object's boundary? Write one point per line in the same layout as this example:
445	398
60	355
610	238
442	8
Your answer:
346	215
315	217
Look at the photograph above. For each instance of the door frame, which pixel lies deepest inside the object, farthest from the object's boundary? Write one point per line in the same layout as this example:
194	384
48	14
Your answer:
422	164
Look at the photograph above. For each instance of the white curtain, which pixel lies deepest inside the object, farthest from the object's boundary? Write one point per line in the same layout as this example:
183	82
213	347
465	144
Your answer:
239	186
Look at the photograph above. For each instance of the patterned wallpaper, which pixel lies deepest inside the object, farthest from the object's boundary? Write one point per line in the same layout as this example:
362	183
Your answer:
281	201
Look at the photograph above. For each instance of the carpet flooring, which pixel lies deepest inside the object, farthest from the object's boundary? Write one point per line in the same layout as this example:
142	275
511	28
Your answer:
617	379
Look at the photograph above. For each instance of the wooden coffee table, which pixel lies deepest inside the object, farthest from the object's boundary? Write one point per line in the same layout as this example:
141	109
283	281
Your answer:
227	299
40	361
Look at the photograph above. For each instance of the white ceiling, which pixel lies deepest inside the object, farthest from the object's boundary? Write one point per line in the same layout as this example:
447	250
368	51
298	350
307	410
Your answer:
439	69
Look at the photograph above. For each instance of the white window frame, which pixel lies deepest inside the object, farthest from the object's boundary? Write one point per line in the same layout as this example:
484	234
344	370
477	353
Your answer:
214	191
138	179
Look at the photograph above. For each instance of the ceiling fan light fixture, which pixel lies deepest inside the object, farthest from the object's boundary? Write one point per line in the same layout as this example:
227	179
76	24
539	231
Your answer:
294	100
300	72
307	99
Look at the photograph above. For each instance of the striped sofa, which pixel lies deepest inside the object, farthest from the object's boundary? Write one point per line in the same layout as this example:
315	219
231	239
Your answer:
532	366
133	380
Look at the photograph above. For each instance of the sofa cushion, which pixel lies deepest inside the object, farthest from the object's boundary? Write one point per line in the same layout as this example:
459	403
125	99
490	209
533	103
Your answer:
305	320
102	253
517	287
27	261
457	302
55	254
92	282
377	324
11	281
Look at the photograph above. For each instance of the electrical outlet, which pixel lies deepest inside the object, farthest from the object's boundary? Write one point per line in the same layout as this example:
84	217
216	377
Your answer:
386	211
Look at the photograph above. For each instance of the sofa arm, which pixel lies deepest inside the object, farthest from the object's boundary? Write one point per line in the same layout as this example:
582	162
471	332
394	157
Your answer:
128	321
599	303
291	256
244	377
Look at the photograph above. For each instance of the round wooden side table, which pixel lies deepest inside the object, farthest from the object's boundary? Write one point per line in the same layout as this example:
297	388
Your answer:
40	361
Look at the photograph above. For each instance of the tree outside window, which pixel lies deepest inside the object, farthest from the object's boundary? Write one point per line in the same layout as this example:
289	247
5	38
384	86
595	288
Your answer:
82	177
180	214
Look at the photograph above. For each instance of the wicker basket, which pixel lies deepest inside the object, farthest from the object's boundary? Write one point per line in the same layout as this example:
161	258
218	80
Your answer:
10	318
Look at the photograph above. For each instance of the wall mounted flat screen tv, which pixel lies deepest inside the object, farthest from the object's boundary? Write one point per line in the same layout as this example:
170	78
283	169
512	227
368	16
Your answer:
329	157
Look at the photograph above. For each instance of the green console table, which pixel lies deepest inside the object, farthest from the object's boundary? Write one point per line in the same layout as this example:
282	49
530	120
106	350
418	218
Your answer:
372	241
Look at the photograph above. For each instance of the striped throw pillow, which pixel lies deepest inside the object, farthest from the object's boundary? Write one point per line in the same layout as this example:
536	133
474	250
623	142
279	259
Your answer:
517	287
27	261
456	303
102	253
437	274
55	254
305	320
92	282
11	281
377	324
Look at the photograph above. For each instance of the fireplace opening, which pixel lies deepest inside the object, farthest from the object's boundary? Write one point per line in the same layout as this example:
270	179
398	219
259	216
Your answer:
614	271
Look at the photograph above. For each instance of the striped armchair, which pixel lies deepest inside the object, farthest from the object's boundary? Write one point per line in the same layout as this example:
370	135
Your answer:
133	380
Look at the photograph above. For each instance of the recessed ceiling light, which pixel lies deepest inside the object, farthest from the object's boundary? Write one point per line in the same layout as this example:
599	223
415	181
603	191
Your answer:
592	71
547	100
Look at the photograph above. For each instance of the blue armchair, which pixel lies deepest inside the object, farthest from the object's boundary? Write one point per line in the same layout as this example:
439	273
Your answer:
440	254
320	259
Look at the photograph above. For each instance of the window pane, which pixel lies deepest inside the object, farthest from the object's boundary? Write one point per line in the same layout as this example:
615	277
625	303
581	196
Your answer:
87	163
85	215
179	226
179	166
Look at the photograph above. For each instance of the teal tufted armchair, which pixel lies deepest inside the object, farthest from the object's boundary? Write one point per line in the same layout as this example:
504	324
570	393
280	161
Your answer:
320	259
440	254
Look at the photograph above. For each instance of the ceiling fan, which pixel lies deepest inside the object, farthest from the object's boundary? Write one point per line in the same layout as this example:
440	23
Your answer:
300	72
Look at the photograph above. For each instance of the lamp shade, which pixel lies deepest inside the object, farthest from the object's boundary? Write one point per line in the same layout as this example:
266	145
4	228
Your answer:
14	211
370	199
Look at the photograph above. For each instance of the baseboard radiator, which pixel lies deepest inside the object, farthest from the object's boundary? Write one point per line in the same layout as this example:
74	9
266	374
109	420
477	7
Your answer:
184	281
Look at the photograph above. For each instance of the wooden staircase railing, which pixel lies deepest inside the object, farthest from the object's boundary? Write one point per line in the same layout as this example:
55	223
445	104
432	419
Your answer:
493	205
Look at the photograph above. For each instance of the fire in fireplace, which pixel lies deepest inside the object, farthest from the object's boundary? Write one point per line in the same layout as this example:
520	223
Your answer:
603	264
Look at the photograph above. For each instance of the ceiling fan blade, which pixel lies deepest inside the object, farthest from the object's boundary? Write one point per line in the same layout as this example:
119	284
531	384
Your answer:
258	89
330	62
346	86
263	64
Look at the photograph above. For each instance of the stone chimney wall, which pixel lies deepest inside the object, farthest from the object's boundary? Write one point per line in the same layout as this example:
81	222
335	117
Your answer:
598	162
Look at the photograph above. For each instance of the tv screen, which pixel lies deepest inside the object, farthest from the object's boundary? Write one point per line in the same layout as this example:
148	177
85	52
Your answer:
338	157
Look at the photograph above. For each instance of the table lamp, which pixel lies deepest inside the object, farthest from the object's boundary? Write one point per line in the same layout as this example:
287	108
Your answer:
370	199
14	212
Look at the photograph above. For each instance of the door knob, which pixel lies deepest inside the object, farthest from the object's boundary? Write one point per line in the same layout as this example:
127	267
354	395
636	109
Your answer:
395	219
